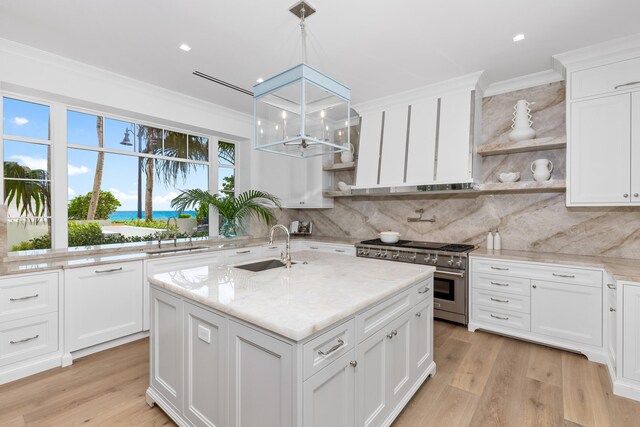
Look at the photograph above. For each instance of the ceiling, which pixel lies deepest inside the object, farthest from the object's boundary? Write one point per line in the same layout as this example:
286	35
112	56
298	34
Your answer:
376	47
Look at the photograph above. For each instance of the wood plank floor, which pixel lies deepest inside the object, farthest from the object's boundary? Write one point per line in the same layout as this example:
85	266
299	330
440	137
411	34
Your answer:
482	380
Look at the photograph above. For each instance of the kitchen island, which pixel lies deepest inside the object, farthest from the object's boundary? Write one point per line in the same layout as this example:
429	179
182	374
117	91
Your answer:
335	340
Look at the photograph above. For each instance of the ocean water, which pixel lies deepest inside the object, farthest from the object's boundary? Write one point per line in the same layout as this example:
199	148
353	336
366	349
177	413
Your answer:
157	215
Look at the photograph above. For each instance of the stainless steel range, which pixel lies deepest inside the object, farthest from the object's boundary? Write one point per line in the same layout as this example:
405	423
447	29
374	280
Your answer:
451	279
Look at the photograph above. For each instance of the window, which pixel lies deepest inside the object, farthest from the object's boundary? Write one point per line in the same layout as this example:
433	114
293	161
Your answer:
226	173
26	145
122	177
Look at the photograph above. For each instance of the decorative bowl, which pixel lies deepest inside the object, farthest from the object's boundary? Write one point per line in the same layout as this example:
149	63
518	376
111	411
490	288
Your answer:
389	236
509	176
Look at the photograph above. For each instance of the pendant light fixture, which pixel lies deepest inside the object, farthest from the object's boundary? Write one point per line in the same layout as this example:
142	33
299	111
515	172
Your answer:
298	112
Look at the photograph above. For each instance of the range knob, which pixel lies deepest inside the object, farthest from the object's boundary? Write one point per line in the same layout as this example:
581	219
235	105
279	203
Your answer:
413	257
366	252
450	262
435	259
384	254
360	252
396	255
427	259
378	254
459	262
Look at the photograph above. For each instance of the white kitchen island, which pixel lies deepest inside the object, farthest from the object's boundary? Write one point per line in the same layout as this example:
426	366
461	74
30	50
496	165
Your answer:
335	341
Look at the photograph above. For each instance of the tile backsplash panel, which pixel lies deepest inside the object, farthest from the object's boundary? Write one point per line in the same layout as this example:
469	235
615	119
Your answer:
530	221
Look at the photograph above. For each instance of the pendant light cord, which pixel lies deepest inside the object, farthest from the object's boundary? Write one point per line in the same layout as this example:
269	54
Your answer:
303	35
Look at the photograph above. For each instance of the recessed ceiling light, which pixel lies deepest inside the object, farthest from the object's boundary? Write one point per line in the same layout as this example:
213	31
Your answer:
185	47
259	80
518	37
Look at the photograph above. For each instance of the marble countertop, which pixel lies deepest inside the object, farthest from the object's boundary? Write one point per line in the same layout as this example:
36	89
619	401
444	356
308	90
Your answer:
620	268
320	290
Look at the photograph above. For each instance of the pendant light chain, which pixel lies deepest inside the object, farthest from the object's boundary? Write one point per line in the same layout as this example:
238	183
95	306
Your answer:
304	35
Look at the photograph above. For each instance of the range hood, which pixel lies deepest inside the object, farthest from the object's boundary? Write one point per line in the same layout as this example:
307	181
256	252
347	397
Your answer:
416	189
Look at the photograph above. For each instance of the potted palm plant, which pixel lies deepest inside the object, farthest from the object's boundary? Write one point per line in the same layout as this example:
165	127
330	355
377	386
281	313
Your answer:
233	209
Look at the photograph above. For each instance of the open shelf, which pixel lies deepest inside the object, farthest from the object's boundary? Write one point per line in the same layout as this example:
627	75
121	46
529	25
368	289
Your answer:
537	144
552	186
340	167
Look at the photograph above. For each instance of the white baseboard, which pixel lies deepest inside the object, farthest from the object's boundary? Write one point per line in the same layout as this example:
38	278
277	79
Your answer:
105	346
36	365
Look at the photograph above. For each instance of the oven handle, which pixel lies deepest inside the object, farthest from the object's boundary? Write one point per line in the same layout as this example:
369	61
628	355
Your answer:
451	273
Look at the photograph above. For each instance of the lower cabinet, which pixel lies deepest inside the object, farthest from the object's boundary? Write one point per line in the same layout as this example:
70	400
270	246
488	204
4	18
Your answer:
631	332
422	340
611	311
102	303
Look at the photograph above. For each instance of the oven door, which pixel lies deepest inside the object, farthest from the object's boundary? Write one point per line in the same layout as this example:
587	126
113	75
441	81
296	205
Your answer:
450	295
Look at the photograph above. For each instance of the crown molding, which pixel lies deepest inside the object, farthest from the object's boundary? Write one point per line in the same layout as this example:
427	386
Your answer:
524	82
474	81
598	54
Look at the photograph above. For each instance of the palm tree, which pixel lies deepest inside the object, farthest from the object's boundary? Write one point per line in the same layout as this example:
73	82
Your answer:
29	190
97	177
233	209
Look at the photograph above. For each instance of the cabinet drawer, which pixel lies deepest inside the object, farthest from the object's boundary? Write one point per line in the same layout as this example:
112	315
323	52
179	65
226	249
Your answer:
28	296
493	266
336	249
375	318
236	256
321	351
605	79
422	291
25	338
504	318
554	273
502	301
502	284
273	250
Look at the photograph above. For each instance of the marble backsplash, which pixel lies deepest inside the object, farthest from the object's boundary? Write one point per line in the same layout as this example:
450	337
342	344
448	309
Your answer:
538	222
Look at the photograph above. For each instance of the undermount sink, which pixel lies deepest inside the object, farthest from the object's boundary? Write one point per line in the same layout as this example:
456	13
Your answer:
172	250
262	265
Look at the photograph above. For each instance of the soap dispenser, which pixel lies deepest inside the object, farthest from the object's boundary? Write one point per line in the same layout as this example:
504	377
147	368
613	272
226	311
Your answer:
490	240
497	241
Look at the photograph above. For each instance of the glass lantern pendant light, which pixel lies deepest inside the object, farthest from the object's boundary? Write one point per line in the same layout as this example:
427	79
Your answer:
301	111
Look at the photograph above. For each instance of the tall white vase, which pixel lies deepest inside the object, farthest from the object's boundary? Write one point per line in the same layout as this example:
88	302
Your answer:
521	122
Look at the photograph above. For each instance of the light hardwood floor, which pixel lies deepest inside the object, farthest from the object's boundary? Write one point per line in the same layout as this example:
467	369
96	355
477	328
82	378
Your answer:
482	380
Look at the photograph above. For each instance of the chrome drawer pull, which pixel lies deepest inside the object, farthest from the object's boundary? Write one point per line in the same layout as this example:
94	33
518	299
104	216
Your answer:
313	247
611	286
272	247
339	250
423	291
612	309
243	252
332	349
499	300
499	317
418	314
570	276
499	284
353	363
626	84
24	340
24	298
111	270
500	268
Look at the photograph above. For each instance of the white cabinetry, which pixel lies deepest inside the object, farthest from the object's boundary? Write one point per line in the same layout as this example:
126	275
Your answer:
551	304
603	162
631	333
102	303
422	340
611	311
328	247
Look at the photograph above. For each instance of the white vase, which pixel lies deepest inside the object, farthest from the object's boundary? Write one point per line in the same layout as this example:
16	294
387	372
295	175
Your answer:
521	122
541	169
347	156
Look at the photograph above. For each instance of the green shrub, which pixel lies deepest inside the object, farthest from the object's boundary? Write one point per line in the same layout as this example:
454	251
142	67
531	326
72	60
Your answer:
148	224
79	206
184	215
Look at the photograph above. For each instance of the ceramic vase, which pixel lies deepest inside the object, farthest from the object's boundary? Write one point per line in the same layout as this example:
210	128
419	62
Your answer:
347	156
541	169
521	122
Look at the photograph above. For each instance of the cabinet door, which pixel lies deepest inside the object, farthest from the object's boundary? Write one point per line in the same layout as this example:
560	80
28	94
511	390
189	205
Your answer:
270	172
372	405
394	144
166	347
612	323
421	147
422	341
205	373
102	303
399	361
297	182
317	181
260	379
329	396
454	144
566	311
369	149
631	333
599	167
635	148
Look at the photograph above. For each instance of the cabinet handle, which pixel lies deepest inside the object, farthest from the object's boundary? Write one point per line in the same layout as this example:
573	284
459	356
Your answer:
353	363
313	247
392	334
612	309
636	195
332	349
534	286
339	250
500	268
24	298
611	286
626	84
243	252
272	247
570	276
418	314
110	270
499	300
24	340
499	317
423	291
499	284
625	195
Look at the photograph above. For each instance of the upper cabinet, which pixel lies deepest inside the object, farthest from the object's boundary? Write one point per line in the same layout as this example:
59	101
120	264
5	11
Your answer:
603	133
421	137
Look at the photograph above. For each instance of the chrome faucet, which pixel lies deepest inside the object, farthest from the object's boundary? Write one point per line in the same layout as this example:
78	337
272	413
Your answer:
285	257
175	233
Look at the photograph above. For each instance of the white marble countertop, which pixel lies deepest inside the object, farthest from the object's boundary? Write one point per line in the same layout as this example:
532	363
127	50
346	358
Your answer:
620	268
320	290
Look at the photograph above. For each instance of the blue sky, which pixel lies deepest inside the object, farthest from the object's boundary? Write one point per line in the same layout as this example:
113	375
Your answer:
120	174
